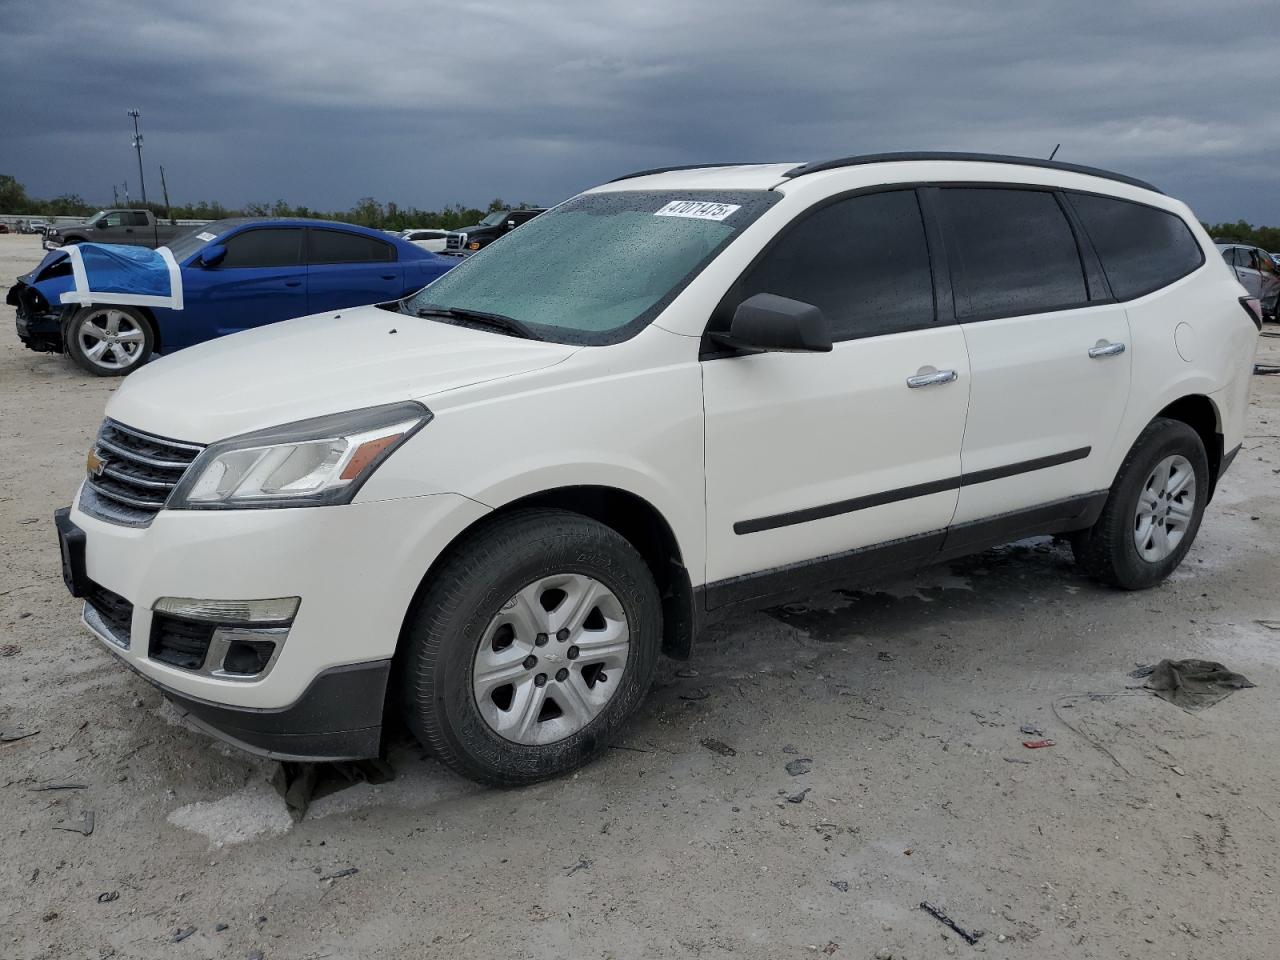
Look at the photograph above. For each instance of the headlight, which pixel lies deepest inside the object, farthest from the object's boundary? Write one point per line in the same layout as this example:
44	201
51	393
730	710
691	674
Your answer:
311	463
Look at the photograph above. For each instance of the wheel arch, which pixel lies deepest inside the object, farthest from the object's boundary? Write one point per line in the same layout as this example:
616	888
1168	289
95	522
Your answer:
630	515
1202	415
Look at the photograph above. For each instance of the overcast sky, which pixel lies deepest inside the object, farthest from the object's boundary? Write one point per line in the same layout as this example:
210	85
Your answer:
428	103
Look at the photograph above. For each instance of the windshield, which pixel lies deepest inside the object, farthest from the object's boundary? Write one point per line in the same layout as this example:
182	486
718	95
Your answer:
96	217
188	242
599	267
493	219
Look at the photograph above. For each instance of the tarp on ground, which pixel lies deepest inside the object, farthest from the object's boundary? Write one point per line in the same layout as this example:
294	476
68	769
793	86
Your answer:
120	274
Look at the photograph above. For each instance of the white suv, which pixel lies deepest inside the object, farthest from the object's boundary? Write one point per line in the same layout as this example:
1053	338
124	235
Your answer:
489	507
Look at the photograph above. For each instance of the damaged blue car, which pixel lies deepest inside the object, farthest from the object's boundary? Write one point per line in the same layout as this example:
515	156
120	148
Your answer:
111	307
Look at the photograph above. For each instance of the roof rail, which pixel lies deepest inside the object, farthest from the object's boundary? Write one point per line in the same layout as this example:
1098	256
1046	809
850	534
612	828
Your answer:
683	166
854	161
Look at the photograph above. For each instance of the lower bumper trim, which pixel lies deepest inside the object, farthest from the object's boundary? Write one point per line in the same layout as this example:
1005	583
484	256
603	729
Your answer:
339	717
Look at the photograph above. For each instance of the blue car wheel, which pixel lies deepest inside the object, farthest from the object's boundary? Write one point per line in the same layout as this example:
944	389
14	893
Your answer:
109	341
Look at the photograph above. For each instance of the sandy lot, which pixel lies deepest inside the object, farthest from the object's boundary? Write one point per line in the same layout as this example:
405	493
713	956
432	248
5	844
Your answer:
1146	832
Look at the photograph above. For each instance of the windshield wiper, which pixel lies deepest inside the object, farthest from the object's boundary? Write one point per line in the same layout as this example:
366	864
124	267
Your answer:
497	321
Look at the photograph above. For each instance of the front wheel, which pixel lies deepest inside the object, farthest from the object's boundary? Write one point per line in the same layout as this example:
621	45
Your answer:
533	643
1153	512
109	341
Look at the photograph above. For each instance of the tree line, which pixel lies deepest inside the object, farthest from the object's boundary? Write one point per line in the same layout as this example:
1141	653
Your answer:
367	212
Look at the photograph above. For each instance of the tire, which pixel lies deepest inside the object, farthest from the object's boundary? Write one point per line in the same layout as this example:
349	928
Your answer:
90	336
478	615
1110	550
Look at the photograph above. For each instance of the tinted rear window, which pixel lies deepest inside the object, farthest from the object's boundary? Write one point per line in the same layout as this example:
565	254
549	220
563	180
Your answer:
264	248
334	246
1142	249
1012	252
864	261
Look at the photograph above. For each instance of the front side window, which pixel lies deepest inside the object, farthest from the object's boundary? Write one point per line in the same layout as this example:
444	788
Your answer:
272	247
336	246
115	219
863	261
1012	252
598	268
1141	248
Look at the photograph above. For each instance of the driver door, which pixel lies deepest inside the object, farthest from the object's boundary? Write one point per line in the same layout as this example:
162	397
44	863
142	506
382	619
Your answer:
819	465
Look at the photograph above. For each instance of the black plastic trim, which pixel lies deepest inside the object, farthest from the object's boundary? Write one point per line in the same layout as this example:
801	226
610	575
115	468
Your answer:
907	493
652	171
725	598
338	717
1227	459
923	156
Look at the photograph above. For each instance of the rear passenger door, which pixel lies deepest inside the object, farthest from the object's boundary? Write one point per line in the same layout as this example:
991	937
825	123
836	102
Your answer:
1047	349
350	269
812	455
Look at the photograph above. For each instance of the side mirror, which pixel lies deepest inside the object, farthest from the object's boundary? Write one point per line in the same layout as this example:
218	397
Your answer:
212	256
767	323
102	224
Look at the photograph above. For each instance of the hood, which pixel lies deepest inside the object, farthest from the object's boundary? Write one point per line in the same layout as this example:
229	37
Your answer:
312	366
39	273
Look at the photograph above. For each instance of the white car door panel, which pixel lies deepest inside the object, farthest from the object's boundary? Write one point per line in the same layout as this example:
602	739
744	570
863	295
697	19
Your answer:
810	455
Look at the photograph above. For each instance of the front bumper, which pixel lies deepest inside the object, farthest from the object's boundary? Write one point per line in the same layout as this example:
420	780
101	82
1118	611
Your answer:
356	569
39	327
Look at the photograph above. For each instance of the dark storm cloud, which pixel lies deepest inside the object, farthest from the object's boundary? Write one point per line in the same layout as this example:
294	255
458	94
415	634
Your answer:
430	103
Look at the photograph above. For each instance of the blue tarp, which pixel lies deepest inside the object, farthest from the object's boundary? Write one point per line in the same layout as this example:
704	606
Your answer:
115	273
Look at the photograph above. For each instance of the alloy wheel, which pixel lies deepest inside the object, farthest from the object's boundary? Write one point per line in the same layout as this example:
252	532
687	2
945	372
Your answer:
111	339
1166	505
551	659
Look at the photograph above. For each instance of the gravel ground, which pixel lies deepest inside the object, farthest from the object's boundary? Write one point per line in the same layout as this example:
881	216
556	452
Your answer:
1145	832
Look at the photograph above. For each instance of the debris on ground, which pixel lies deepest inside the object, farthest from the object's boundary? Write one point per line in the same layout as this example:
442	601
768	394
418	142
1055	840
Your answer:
85	826
798	797
181	933
1269	624
718	746
686	673
1265	369
884	656
582	864
790	748
61	786
800	766
968	937
841	885
109	897
1194	684
14	736
701	693
301	783
1031	730
347	872
1039	744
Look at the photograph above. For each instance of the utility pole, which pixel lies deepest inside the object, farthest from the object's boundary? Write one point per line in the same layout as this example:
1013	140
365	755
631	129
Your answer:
126	193
137	145
115	195
164	187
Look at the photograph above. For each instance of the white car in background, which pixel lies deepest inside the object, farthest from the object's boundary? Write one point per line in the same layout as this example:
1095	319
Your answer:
429	239
677	396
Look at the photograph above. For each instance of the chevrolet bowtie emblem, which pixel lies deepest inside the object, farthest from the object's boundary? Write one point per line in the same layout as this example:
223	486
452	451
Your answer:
95	464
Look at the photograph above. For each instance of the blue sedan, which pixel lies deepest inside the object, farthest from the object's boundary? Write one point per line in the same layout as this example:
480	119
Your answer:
111	307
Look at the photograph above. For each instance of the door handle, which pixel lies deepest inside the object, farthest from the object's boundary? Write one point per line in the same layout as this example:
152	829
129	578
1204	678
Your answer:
388	276
293	283
1104	349
929	379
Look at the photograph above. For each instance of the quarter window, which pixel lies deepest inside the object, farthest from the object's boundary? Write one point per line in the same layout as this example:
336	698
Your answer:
1141	248
863	261
335	246
1012	252
264	248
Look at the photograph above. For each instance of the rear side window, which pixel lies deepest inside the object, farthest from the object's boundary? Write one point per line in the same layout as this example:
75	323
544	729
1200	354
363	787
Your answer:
137	218
1012	252
264	248
1142	248
335	246
863	261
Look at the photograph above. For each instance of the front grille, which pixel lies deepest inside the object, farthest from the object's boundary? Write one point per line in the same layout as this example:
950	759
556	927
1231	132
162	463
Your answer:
454	241
112	611
180	643
139	471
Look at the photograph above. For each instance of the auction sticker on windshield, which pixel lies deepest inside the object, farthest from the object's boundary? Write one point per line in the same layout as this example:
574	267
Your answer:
206	236
697	209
